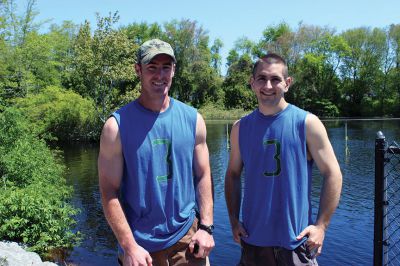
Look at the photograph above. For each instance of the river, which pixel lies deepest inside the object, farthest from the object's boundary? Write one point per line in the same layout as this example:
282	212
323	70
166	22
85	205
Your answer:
348	241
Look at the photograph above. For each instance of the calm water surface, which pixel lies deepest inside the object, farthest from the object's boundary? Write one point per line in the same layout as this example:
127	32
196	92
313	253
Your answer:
349	239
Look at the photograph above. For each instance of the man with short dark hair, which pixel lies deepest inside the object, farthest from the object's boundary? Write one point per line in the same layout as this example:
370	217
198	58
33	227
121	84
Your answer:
276	145
154	171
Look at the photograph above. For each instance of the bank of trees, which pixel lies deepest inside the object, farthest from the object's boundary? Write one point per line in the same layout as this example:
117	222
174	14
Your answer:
333	72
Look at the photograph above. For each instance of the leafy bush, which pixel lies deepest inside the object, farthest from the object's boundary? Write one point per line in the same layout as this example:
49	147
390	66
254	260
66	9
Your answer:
61	114
34	197
323	108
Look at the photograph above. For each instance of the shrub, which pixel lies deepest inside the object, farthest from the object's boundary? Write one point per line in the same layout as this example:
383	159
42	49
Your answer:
34	197
61	114
323	108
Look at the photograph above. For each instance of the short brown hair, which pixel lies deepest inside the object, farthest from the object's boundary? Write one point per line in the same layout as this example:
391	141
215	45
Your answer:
271	58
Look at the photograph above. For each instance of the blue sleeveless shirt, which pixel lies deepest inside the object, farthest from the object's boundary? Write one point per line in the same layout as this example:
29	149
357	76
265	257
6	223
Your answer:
277	177
157	189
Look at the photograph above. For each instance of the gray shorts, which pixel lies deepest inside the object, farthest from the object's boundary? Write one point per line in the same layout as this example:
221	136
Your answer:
274	256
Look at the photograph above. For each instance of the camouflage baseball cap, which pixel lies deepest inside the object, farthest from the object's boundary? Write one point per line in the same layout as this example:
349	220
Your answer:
149	49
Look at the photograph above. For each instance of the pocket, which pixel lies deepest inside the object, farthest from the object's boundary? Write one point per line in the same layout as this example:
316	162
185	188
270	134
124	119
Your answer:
303	253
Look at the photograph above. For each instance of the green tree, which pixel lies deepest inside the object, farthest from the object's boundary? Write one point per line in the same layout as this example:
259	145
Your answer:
20	32
317	85
361	67
280	39
61	39
394	72
138	33
102	65
216	56
195	81
238	93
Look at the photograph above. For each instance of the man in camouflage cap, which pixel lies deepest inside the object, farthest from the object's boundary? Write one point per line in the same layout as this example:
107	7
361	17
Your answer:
154	171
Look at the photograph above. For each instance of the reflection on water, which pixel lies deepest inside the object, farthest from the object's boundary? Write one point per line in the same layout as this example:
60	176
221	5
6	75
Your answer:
349	239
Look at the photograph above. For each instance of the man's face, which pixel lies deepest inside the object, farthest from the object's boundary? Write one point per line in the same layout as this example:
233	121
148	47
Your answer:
269	84
156	76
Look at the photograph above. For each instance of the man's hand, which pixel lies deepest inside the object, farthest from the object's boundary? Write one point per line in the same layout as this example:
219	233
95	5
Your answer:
238	231
137	256
205	243
316	235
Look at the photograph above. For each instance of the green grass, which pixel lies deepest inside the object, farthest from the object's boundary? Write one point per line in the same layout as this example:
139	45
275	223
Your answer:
213	112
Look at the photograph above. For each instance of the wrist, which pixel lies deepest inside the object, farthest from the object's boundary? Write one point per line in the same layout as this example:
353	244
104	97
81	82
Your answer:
321	225
234	221
129	245
209	228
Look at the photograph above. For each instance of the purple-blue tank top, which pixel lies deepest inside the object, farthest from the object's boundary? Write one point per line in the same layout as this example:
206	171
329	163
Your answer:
157	190
277	177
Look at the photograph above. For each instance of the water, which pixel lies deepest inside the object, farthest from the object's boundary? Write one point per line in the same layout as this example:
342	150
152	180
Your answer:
348	241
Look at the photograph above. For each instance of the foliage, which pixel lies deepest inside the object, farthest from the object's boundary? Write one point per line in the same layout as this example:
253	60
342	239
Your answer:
196	80
101	63
323	108
34	198
238	93
60	114
212	111
28	56
352	68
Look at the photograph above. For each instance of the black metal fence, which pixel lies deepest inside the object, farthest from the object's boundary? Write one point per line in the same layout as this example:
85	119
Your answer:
387	202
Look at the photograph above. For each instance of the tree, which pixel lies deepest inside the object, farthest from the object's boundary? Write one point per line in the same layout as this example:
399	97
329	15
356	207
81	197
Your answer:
361	67
102	65
238	93
215	55
394	72
19	33
195	81
316	86
138	33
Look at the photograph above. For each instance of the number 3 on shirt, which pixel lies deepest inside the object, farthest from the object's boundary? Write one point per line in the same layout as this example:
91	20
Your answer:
166	142
277	158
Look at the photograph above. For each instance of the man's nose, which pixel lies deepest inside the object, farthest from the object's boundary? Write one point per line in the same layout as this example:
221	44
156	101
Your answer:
160	72
268	84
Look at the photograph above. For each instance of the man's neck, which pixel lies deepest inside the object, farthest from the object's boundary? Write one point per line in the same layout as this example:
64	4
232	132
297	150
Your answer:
274	109
158	105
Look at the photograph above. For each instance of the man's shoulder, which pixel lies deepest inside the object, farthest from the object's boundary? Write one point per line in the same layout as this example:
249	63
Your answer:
181	104
248	116
296	108
126	106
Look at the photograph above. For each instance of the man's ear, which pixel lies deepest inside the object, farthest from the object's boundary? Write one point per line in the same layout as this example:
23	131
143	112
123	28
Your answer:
288	81
173	70
138	70
251	81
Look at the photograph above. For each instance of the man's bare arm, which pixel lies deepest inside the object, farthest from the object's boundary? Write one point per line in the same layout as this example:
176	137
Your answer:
204	190
110	168
322	153
233	185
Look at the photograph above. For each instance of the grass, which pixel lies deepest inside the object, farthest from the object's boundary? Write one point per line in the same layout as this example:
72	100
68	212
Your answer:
213	112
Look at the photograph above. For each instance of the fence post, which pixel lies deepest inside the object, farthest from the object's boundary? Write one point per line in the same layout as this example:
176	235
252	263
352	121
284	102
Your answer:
379	200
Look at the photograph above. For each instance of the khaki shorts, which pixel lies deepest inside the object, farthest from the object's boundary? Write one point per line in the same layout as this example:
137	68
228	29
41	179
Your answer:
273	256
178	254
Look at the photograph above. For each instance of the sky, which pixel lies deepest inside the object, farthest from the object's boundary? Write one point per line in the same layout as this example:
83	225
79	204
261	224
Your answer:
227	20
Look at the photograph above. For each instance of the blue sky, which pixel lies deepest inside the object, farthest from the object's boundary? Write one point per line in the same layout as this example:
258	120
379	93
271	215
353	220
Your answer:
228	20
